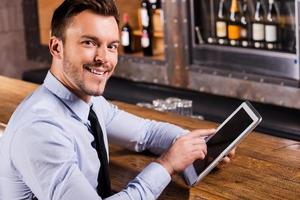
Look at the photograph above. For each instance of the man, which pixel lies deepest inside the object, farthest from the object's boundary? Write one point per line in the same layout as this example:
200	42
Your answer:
55	145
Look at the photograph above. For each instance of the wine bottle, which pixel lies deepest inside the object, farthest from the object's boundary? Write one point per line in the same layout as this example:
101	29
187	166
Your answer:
234	26
155	4
245	26
145	13
146	41
147	36
126	35
258	26
271	27
221	24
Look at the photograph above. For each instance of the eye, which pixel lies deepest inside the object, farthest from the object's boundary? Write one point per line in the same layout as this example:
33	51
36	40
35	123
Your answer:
113	46
89	43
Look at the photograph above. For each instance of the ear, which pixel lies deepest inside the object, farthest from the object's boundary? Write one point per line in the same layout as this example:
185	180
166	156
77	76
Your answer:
56	47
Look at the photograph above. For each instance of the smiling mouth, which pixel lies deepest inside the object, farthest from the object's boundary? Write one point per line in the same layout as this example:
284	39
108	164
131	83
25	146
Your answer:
97	70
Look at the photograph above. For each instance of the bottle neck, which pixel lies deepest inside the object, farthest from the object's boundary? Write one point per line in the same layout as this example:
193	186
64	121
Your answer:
258	11
221	9
125	18
271	4
234	6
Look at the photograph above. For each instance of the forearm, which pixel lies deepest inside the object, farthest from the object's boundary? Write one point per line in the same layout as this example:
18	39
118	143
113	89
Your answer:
138	134
161	136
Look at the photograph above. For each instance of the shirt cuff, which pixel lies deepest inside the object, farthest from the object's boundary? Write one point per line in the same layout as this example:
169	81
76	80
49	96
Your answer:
156	177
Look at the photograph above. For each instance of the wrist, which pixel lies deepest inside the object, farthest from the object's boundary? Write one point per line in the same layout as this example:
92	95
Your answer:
166	164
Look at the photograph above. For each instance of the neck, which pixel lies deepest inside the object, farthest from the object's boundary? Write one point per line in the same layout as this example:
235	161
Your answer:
59	75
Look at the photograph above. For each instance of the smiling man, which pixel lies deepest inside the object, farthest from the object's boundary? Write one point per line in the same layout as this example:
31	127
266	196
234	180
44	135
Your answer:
56	143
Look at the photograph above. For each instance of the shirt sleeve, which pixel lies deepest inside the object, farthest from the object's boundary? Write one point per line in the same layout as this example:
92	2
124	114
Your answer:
149	184
136	133
48	165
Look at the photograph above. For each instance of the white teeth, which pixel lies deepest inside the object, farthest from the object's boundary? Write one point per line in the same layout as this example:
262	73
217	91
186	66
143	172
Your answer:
96	72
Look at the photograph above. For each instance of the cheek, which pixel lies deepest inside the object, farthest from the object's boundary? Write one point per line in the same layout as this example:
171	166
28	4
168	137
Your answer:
114	59
84	55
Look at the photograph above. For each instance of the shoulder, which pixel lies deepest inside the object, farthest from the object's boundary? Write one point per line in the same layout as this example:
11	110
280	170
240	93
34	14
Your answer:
37	116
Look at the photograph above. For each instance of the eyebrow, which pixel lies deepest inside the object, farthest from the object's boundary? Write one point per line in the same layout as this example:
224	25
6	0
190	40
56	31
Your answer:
97	40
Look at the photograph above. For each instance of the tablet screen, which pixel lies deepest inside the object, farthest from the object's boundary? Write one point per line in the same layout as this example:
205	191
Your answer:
223	138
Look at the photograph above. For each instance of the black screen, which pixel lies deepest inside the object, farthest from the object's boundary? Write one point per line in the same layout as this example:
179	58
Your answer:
223	138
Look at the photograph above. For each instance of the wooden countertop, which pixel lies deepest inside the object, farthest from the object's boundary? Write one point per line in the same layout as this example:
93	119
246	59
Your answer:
265	167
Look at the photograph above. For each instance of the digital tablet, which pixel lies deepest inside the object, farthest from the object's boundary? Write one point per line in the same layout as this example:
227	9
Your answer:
241	122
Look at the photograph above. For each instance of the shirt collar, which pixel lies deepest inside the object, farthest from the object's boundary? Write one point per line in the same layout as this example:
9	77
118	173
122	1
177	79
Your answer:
79	107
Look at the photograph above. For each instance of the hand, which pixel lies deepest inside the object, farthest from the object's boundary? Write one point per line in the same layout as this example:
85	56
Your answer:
185	151
227	158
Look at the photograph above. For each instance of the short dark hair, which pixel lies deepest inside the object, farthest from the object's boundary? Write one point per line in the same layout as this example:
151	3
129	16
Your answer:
62	16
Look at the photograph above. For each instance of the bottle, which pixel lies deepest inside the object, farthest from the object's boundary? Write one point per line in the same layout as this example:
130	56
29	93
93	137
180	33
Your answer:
221	24
245	26
126	35
234	26
258	26
145	13
146	41
155	4
271	27
287	28
157	15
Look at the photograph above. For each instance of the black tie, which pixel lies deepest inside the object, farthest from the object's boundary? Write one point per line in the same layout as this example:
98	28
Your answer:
103	187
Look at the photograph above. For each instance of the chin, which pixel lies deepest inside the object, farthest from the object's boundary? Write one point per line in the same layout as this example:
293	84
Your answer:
97	93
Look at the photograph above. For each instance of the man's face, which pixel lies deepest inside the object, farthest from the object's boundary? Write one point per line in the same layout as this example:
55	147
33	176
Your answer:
89	53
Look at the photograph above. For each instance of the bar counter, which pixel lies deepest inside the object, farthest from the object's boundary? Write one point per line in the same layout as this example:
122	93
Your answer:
265	167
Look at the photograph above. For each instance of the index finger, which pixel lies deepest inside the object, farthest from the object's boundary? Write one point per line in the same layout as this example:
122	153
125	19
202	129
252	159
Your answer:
203	132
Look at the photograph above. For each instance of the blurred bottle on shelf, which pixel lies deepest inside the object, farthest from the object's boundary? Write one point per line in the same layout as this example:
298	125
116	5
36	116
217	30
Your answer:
234	25
258	26
155	4
221	24
271	27
157	15
145	13
146	42
147	35
126	35
245	26
287	27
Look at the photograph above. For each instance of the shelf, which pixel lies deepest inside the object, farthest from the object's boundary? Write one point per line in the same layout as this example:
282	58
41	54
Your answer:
253	51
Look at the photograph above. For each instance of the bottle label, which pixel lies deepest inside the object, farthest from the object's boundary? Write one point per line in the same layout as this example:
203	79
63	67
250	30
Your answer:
270	46
125	38
243	32
234	32
258	33
221	29
258	45
271	33
145	41
233	42
245	43
144	17
221	41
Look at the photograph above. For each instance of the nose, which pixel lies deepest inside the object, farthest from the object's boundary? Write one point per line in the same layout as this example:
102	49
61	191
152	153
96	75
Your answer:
101	55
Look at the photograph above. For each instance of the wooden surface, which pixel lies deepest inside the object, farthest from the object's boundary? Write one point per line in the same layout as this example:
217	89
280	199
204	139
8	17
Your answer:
265	167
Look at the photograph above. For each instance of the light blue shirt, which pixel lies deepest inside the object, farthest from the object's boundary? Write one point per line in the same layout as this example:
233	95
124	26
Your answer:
46	148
